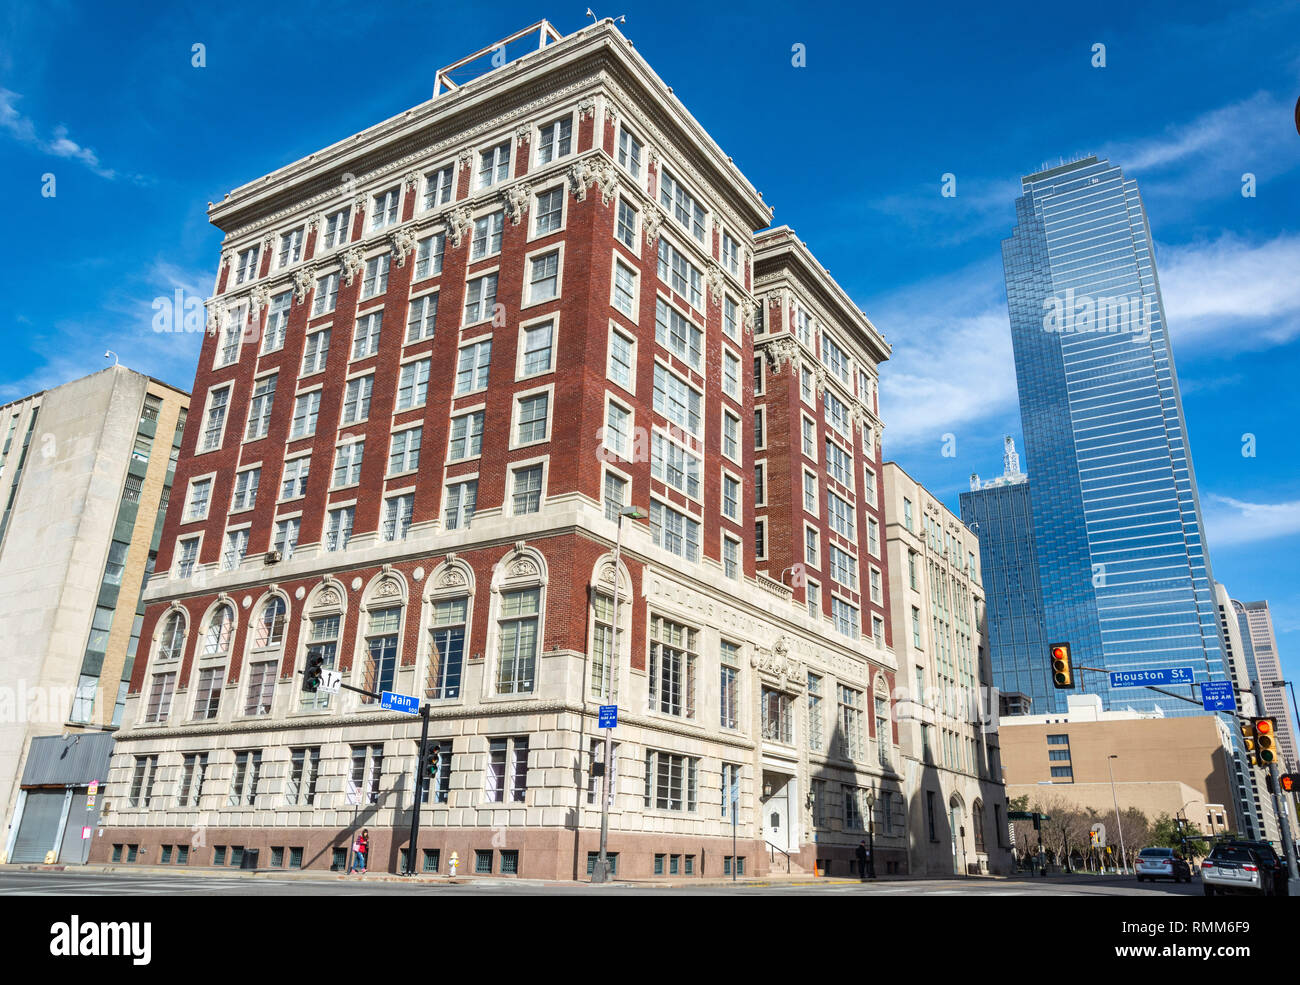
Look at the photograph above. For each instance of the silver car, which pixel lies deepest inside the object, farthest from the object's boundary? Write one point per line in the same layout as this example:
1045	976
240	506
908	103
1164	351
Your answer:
1236	870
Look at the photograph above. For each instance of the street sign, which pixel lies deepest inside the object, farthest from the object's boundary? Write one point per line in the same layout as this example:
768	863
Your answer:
608	716
330	681
1218	696
1143	678
392	701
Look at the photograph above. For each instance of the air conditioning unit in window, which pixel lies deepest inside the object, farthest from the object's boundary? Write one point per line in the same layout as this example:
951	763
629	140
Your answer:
272	557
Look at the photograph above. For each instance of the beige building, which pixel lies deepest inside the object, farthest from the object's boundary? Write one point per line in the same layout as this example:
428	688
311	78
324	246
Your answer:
1162	765
1268	668
85	472
948	725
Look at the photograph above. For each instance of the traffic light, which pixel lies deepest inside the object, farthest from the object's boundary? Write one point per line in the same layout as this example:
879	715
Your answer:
1265	740
1248	741
429	763
312	675
1290	782
1062	669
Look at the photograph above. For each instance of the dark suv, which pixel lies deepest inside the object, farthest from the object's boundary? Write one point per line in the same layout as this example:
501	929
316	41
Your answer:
1267	856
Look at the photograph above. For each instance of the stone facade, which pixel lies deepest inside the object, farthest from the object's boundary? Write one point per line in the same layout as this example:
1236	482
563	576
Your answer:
947	707
598	210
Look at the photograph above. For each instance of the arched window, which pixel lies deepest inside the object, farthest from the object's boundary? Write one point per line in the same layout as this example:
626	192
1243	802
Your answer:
519	583
171	642
221	630
977	818
323	631
605	665
383	632
450	590
264	656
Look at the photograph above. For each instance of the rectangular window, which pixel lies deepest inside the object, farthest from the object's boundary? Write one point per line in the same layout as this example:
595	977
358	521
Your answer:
236	548
487	235
304	767
421	317
337	228
532	417
670	781
293	483
326	296
244	781
466	436
538	348
383	208
731	387
207	698
615	496
160	698
439	186
306	409
246	264
544	277
555	139
261	687
187	557
673	650
315	352
549	212
731	497
461	498
356	399
517	660
214	425
625	289
429	253
286	536
680	274
730	557
839	463
730	254
815	723
850	723
413	384
778	717
290	251
844	568
840	515
480	298
365	337
448	648
472	367
674	465
339	530
845	617
681	204
678	334
729	690
730	790
200	498
367	768
622	358
677	400
397	517
675	532
347	463
142	781
731	435
596	758
259	409
526	491
625	229
404	452
375	281
506	777
731	328
194	771
277	322
629	152
494	165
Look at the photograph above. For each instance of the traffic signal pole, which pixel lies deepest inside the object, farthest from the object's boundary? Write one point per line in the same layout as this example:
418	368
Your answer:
418	787
1279	806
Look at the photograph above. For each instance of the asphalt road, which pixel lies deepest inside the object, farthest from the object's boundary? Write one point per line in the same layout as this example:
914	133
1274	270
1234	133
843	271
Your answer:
72	883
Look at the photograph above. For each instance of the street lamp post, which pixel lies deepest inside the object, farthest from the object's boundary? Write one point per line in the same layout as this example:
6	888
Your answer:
600	870
1119	824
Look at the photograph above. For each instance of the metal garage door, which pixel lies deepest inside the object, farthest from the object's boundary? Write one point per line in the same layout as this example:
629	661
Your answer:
40	825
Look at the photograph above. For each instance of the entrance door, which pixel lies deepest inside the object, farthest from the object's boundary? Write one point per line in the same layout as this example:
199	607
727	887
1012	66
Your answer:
776	811
39	828
956	823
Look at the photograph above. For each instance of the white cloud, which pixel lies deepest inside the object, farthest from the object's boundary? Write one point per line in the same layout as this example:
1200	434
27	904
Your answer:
23	129
1231	521
1232	293
952	364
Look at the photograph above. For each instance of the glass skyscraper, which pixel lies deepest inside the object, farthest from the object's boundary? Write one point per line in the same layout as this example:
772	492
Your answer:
1117	524
999	513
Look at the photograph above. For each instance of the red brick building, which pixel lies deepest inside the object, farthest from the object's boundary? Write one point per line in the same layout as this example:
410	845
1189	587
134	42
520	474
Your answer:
443	355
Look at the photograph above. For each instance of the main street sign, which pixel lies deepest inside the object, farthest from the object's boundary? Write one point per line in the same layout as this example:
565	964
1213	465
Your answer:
1144	678
1218	696
391	701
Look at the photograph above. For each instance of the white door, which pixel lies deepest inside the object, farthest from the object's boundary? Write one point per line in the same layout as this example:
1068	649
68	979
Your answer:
776	817
958	839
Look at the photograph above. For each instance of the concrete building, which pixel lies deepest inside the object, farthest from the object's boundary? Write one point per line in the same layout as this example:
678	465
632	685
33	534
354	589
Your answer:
948	711
1268	667
85	473
1256	806
999	512
1163	765
448	353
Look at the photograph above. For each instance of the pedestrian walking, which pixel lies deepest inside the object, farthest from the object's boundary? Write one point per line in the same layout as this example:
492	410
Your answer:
862	855
360	850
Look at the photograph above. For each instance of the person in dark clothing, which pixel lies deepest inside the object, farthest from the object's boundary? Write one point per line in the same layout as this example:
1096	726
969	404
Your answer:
862	855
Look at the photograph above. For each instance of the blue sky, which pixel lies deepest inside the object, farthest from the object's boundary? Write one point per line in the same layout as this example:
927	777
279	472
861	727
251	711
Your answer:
850	149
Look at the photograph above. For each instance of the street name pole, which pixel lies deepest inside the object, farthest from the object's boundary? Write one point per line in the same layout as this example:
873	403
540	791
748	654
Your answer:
418	788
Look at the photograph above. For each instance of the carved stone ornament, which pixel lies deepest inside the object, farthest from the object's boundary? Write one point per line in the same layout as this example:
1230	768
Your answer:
359	205
458	222
524	133
778	663
258	298
411	179
226	260
314	222
214	322
522	567
749	309
651	224
464	158
587	107
303	280
606	180
403	241
353	261
388	588
781	352
580	175
452	577
517	199
715	282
